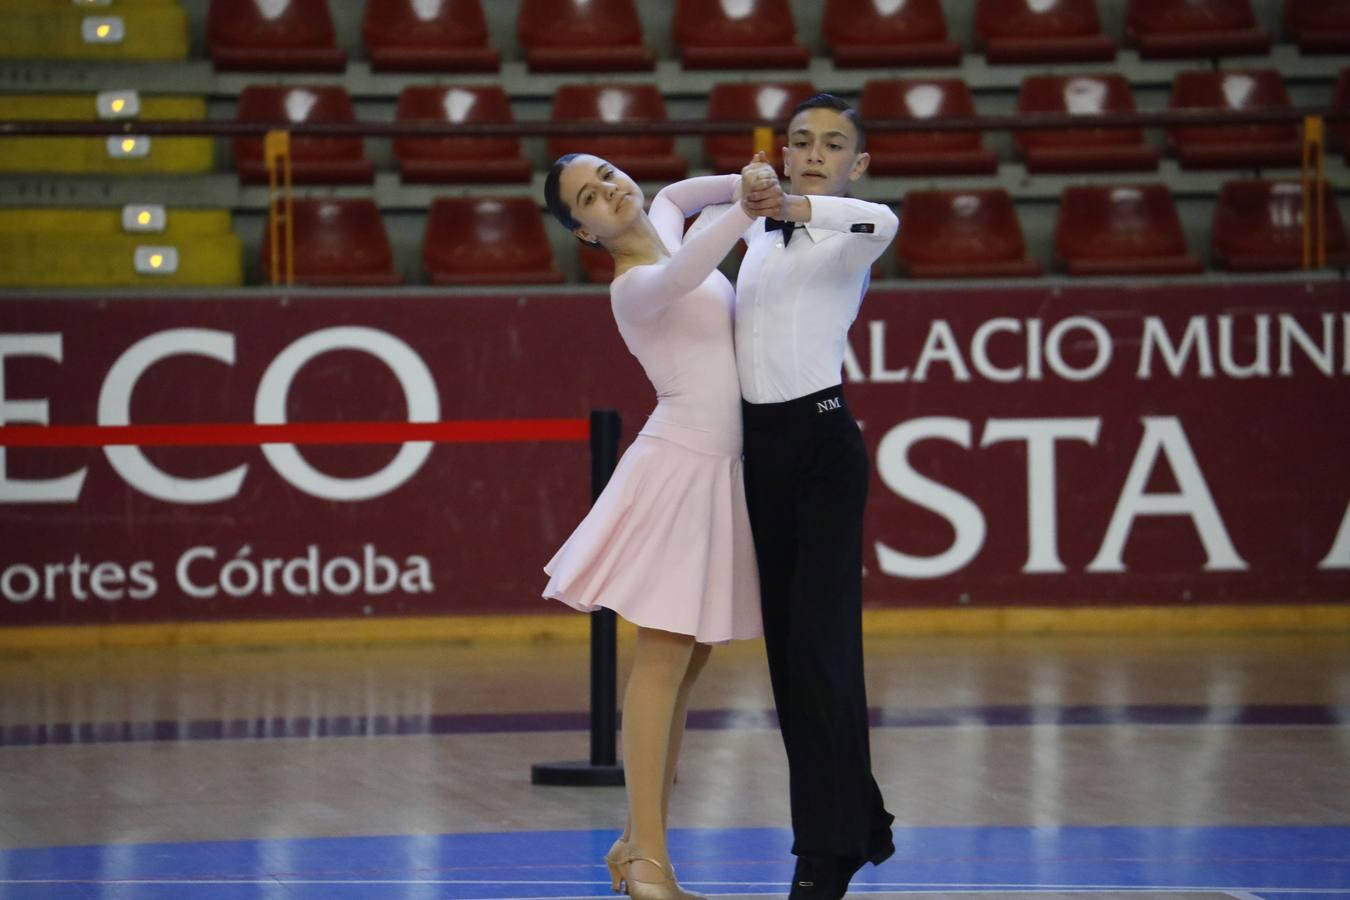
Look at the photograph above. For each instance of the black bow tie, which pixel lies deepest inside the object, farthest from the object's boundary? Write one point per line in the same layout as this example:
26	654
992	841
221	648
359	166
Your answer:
772	224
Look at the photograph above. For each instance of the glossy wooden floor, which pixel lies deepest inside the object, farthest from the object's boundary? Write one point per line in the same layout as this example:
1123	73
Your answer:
147	746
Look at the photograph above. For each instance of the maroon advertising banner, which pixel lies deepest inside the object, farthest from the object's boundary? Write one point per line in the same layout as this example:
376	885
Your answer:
1047	446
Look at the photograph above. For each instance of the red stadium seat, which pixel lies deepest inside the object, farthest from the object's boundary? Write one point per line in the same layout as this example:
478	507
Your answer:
869	33
1081	149
1258	227
1121	230
1042	31
767	102
1233	146
1319	26
745	34
338	242
1168	29
582	36
487	240
962	234
924	152
448	159
287	35
644	157
597	266
314	160
437	36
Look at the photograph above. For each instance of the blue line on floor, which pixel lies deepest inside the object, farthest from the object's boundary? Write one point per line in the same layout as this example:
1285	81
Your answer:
312	727
1271	863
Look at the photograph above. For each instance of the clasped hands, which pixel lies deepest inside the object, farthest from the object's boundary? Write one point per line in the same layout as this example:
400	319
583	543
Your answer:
761	194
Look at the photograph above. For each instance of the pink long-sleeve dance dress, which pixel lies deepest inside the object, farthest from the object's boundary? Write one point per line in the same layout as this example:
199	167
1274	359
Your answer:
668	545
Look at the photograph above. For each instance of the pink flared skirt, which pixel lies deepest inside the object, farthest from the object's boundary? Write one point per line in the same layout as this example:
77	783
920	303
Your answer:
668	545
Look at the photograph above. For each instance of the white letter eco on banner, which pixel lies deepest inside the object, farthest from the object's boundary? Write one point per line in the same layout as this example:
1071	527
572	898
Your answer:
63	489
114	408
419	390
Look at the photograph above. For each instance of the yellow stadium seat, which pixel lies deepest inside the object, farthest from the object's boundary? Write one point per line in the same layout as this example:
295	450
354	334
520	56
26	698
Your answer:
92	261
89	7
181	223
152	33
90	155
86	248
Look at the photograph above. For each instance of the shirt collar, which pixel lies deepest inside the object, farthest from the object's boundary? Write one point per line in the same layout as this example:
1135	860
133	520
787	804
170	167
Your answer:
815	232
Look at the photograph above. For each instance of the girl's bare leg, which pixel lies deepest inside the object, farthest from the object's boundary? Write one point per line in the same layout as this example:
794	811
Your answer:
697	661
660	666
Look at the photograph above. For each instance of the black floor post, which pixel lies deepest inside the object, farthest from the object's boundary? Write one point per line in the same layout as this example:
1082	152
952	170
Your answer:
603	768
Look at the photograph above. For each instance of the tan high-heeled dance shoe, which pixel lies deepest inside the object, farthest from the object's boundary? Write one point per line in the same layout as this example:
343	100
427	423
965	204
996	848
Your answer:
614	859
666	889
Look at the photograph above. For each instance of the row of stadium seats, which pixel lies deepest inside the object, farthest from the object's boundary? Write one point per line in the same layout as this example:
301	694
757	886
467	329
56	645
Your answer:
1100	230
83	248
1110	230
122	154
320	160
133	31
653	157
607	35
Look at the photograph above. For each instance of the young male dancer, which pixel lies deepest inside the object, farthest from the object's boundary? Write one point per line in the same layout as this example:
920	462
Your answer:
806	471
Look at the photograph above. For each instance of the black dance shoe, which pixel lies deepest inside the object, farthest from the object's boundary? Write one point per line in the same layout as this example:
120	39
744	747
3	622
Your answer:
848	866
817	877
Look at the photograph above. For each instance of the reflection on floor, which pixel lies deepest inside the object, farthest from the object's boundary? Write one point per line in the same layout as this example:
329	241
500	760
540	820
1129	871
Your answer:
1057	767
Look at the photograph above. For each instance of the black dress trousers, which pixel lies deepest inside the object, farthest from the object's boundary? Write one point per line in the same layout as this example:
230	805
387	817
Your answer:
806	474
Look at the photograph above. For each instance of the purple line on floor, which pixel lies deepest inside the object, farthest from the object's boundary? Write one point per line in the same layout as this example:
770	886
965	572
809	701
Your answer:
314	727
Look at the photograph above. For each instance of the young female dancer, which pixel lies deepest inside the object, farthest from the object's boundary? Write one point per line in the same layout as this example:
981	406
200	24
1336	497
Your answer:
667	545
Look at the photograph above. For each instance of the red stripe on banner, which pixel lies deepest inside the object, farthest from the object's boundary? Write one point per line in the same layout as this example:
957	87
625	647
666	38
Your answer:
221	435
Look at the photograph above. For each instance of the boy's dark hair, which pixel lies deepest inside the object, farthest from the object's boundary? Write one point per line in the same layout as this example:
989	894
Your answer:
830	101
553	200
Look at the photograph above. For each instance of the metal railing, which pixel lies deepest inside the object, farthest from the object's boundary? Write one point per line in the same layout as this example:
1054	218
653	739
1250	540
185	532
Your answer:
414	129
277	137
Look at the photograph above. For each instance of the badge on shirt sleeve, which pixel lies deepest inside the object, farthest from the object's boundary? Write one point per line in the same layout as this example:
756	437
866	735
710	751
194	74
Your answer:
863	228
